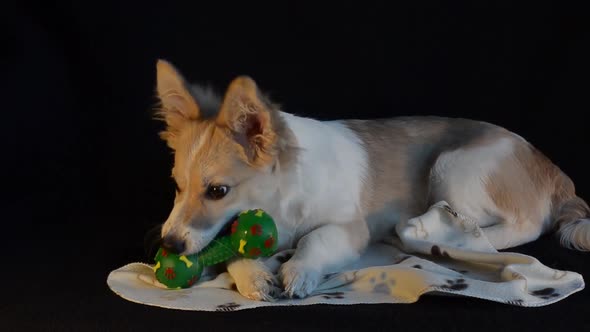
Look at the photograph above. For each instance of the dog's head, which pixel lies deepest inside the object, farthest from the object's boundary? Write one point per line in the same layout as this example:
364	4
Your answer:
224	161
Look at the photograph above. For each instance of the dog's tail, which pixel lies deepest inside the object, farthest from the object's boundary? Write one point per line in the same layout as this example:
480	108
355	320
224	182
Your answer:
572	221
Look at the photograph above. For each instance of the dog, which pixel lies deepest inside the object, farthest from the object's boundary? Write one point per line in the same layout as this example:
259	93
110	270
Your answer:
334	187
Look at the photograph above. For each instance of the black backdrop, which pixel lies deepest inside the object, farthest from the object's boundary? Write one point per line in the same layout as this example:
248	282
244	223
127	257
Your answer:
86	174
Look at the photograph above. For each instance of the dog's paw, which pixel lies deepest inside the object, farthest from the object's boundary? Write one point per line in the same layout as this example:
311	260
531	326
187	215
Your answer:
254	281
298	279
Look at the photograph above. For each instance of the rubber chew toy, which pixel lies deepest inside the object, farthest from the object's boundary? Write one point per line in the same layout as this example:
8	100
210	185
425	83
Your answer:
253	234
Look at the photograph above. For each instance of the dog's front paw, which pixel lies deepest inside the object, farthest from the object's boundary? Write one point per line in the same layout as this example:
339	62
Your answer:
254	281
298	279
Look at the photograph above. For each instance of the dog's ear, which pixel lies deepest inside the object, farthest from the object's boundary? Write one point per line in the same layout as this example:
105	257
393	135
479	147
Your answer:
249	119
177	104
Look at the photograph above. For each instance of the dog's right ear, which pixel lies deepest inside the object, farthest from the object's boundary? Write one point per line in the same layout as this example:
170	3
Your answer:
177	104
249	119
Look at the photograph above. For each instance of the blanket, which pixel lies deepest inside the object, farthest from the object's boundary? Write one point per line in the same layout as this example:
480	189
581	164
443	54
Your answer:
440	252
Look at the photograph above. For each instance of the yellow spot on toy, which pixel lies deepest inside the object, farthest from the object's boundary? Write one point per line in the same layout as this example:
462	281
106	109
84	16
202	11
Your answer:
242	245
157	267
259	213
186	261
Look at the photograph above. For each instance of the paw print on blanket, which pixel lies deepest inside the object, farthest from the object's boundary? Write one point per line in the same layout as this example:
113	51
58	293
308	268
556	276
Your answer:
455	285
382	284
545	293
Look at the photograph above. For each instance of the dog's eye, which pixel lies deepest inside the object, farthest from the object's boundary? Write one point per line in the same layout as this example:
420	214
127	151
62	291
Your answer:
216	192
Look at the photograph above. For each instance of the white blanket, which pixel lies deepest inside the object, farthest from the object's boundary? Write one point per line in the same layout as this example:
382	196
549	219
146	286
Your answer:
443	253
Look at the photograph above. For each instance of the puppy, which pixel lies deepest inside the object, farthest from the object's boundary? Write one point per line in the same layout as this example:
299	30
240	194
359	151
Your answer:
333	187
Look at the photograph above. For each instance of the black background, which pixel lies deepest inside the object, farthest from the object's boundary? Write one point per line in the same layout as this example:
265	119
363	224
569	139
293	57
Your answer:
85	174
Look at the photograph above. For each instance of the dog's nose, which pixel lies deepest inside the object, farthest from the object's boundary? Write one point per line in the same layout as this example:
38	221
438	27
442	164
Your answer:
173	244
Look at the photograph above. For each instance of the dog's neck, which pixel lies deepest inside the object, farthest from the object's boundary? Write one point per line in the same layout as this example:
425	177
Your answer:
324	181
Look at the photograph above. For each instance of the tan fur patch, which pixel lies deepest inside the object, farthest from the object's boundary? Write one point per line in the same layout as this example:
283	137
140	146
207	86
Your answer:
177	105
522	186
384	184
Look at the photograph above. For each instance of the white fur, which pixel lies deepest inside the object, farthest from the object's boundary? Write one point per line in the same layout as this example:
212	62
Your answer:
323	190
170	225
326	184
328	247
196	147
461	176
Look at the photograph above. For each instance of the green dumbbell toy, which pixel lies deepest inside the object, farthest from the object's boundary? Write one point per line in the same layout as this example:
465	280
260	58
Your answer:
253	235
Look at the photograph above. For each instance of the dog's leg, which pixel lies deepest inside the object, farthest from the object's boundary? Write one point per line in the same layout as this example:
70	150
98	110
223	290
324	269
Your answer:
326	248
254	279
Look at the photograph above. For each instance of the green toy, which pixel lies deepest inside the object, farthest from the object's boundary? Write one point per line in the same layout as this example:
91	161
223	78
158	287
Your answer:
253	234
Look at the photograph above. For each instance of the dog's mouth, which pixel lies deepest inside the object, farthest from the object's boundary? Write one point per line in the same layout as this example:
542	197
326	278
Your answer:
153	241
224	231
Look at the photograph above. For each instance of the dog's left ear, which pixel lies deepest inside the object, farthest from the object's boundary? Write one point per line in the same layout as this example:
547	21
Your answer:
249	119
178	105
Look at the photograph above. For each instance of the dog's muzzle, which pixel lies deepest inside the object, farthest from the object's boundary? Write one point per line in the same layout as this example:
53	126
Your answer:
173	244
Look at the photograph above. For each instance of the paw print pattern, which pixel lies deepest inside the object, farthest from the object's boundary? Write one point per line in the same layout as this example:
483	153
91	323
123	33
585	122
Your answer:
382	284
545	293
455	285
